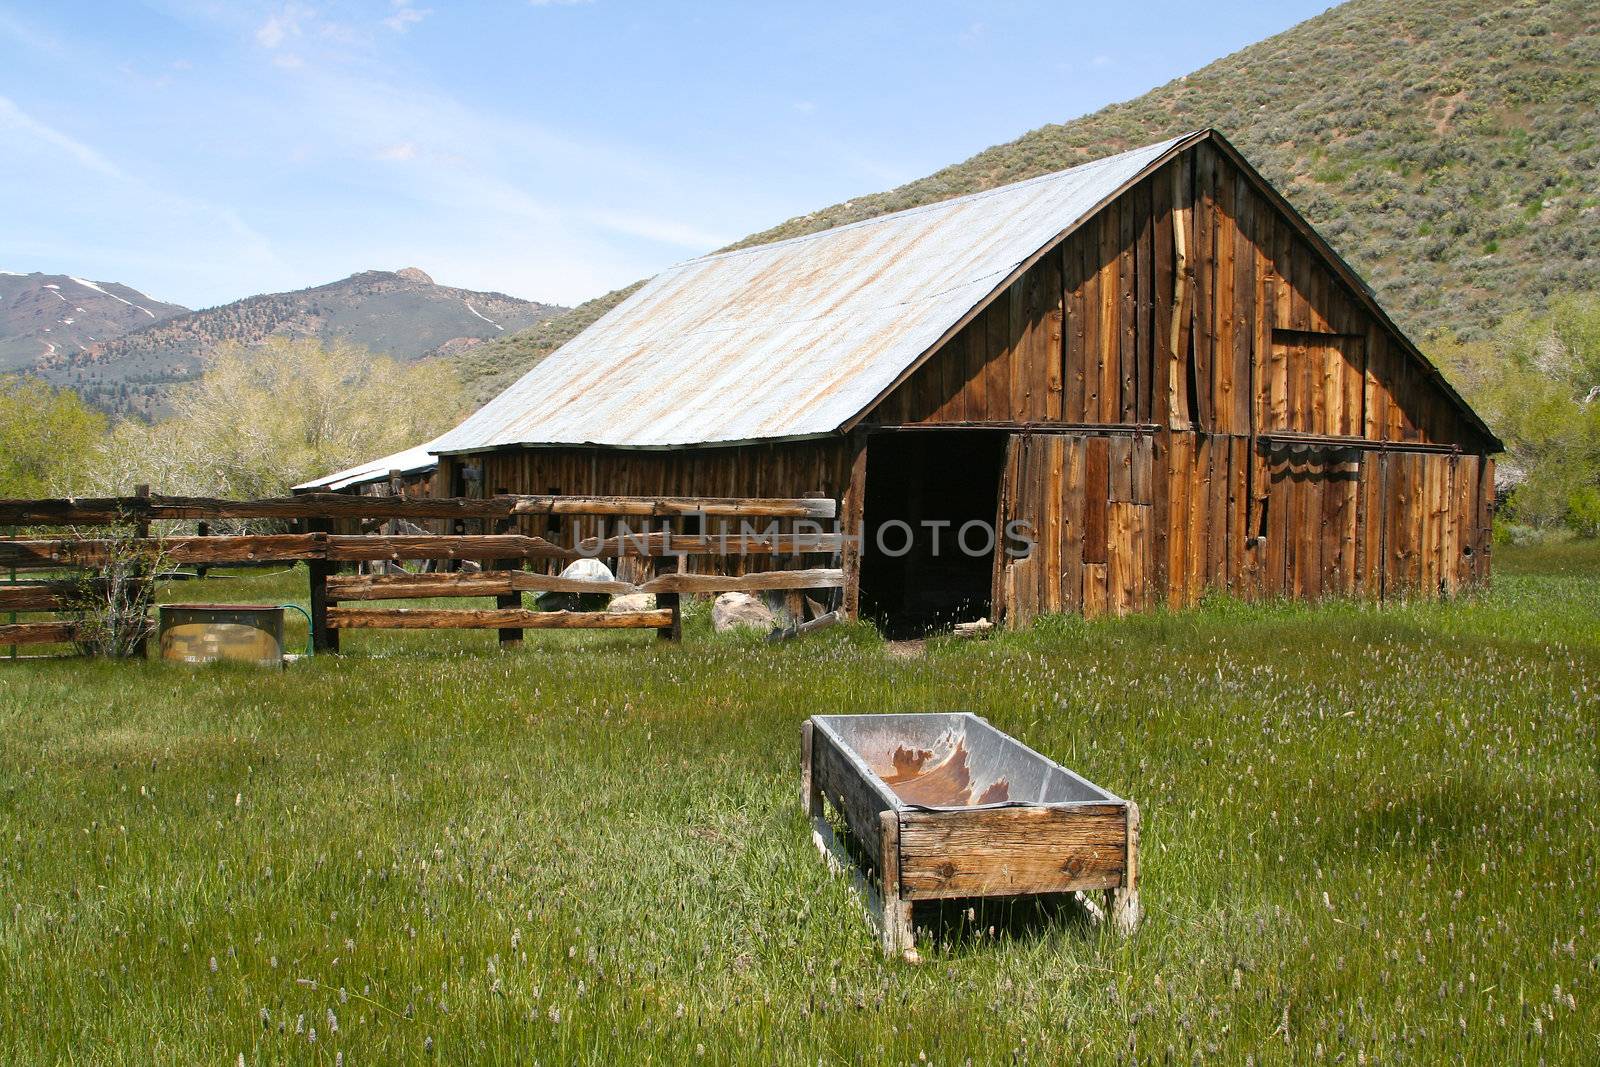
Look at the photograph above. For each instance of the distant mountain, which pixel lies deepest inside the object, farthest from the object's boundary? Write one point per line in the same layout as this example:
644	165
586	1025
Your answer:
401	314
1446	148
47	318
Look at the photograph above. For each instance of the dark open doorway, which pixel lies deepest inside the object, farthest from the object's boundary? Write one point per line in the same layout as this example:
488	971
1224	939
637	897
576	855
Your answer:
923	487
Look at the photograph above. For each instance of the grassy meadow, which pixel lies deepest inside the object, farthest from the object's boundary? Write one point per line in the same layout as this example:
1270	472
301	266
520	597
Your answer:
1369	837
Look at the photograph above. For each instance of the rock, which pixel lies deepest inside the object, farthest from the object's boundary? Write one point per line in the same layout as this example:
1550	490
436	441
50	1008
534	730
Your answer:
414	274
740	609
587	570
631	602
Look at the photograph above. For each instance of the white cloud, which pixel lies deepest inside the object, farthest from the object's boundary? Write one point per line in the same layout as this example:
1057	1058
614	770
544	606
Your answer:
289	21
1102	61
15	121
405	16
805	107
665	231
399	152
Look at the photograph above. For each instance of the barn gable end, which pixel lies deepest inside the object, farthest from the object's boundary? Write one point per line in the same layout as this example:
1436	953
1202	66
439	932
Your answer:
1086	335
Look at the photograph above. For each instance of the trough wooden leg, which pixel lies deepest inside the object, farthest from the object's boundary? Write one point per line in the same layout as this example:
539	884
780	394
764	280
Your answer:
899	937
1122	903
810	795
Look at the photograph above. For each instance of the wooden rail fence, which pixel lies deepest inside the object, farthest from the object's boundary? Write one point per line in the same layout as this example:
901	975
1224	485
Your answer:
501	553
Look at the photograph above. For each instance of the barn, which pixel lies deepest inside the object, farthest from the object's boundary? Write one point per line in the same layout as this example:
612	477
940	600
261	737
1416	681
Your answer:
1149	367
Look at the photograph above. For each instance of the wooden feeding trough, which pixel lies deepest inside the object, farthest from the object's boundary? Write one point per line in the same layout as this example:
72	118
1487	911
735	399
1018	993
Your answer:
945	806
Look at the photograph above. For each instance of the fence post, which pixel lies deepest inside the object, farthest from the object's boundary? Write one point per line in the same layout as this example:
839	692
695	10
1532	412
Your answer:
323	638
671	601
141	647
510	636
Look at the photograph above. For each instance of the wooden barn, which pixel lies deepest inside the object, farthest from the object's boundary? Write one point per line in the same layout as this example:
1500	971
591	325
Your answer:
1151	363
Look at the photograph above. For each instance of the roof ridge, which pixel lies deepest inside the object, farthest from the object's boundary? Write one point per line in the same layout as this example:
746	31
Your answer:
979	194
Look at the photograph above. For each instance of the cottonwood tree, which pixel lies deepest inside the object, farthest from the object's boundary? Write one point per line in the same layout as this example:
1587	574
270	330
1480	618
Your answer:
263	418
47	437
1537	383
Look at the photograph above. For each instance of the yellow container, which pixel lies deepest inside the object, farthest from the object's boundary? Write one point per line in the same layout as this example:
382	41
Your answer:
206	633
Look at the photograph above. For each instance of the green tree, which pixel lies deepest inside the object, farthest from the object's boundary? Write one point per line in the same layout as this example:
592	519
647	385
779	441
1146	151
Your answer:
47	438
1537	382
263	418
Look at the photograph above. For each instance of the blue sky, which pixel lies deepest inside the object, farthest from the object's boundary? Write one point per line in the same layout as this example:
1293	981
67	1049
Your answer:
204	151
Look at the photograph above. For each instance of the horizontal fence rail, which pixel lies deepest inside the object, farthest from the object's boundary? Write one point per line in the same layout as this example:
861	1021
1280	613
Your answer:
91	511
502	583
758	536
356	548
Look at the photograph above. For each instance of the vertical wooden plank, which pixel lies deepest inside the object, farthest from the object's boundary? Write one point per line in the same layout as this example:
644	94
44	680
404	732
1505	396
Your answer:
1180	334
1143	472
1075	280
1072	518
1144	296
1224	388
1366	507
1216	527
1054	449
1094	590
997	371
1005	512
899	937
1205	286
975	404
1019	332
1245	303
1199	500
1163	298
1093	322
1097	491
1450	551
1120	450
1238	511
1275	555
1179	479
1110	314
851	515
1160	516
1296	532
1127	309
1351	419
952	361
1054	334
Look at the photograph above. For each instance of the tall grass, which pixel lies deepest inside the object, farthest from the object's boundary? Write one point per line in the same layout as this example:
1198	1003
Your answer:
1369	836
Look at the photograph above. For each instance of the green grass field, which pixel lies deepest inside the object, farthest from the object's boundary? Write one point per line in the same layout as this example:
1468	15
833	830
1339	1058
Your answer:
1369	836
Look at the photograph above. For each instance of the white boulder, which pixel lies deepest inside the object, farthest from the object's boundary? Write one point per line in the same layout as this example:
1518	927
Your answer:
631	602
740	609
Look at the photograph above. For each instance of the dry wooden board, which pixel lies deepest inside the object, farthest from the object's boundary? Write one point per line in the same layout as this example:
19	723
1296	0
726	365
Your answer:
493	619
37	633
1012	851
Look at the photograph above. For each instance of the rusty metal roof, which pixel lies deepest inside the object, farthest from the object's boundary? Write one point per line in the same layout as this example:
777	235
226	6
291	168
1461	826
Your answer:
411	461
790	339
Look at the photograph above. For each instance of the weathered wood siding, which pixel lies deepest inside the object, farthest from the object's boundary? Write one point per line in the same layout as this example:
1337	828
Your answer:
778	470
1268	337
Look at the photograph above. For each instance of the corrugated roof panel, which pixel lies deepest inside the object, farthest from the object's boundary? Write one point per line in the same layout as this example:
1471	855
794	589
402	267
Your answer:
411	461
790	339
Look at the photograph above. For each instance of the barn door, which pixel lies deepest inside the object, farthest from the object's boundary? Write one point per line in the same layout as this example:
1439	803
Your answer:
1083	502
1313	524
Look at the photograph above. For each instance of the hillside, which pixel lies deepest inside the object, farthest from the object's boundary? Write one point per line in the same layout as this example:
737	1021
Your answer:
401	314
1447	149
47	317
